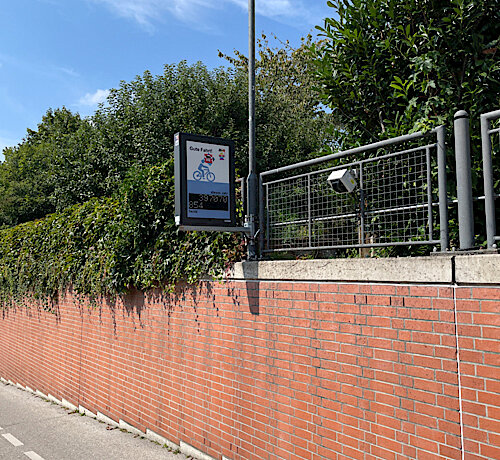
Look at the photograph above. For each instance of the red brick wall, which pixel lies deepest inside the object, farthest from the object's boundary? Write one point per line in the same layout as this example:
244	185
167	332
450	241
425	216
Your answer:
277	370
479	332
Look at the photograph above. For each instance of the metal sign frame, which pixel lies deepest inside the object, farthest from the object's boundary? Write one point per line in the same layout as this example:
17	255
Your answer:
209	198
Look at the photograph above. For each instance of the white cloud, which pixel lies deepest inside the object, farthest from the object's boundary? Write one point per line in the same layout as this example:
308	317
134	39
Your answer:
68	71
145	12
92	100
279	8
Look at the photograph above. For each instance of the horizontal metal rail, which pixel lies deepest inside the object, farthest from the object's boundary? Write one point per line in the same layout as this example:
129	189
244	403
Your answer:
345	216
363	149
355	246
355	163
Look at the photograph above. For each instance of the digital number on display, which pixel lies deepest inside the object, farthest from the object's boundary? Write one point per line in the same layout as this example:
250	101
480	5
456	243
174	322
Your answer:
208	202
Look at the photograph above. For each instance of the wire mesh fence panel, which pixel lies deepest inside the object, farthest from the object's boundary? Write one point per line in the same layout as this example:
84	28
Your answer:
396	194
287	213
495	154
490	137
391	204
334	216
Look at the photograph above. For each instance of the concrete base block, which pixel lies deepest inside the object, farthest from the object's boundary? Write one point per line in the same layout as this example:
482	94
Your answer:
151	435
30	389
54	399
188	450
39	393
68	405
131	429
105	419
86	412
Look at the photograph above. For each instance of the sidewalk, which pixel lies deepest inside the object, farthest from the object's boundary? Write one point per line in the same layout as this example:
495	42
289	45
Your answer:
31	427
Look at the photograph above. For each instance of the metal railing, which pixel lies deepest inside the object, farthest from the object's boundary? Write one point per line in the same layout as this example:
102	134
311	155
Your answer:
393	203
489	191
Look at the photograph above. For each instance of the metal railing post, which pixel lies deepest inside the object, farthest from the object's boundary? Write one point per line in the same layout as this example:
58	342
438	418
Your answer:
361	205
309	211
262	211
443	192
489	193
464	180
430	222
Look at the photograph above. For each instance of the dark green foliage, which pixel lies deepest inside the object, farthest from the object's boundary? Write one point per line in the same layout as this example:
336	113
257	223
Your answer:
137	125
389	67
107	245
31	176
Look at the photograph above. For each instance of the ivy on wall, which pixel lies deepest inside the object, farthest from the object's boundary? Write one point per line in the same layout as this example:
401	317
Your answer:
107	245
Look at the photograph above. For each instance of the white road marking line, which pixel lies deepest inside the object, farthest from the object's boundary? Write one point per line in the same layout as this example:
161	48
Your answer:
33	455
13	440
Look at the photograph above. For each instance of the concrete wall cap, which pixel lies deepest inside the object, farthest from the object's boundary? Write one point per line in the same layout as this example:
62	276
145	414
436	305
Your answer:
394	270
482	269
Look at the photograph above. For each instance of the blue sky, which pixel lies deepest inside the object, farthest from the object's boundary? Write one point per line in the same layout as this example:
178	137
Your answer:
56	53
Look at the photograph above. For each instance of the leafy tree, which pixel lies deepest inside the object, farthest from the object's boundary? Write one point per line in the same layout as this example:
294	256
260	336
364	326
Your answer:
137	125
386	67
292	124
30	174
68	160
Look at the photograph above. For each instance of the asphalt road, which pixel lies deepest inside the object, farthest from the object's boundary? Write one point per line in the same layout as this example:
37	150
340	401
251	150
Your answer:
36	429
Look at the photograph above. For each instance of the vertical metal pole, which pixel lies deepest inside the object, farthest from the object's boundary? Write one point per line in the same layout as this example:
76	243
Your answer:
443	192
429	193
262	211
268	218
464	180
309	211
489	197
361	205
252	179
244	194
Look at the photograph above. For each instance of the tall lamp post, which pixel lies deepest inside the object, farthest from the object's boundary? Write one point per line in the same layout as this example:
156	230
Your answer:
252	180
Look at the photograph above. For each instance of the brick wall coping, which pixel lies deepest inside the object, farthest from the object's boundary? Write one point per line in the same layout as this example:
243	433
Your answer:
446	269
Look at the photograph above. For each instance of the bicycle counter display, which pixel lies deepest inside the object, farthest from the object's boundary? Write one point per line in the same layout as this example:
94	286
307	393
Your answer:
204	181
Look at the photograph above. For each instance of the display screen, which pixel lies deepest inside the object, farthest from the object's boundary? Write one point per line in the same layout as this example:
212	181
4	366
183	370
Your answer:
208	180
204	182
208	202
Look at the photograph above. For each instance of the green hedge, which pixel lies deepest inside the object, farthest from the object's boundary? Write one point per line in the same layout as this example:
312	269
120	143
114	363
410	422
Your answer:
106	246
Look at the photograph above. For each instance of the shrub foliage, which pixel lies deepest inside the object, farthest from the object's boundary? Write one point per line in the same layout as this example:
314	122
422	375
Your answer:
106	245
